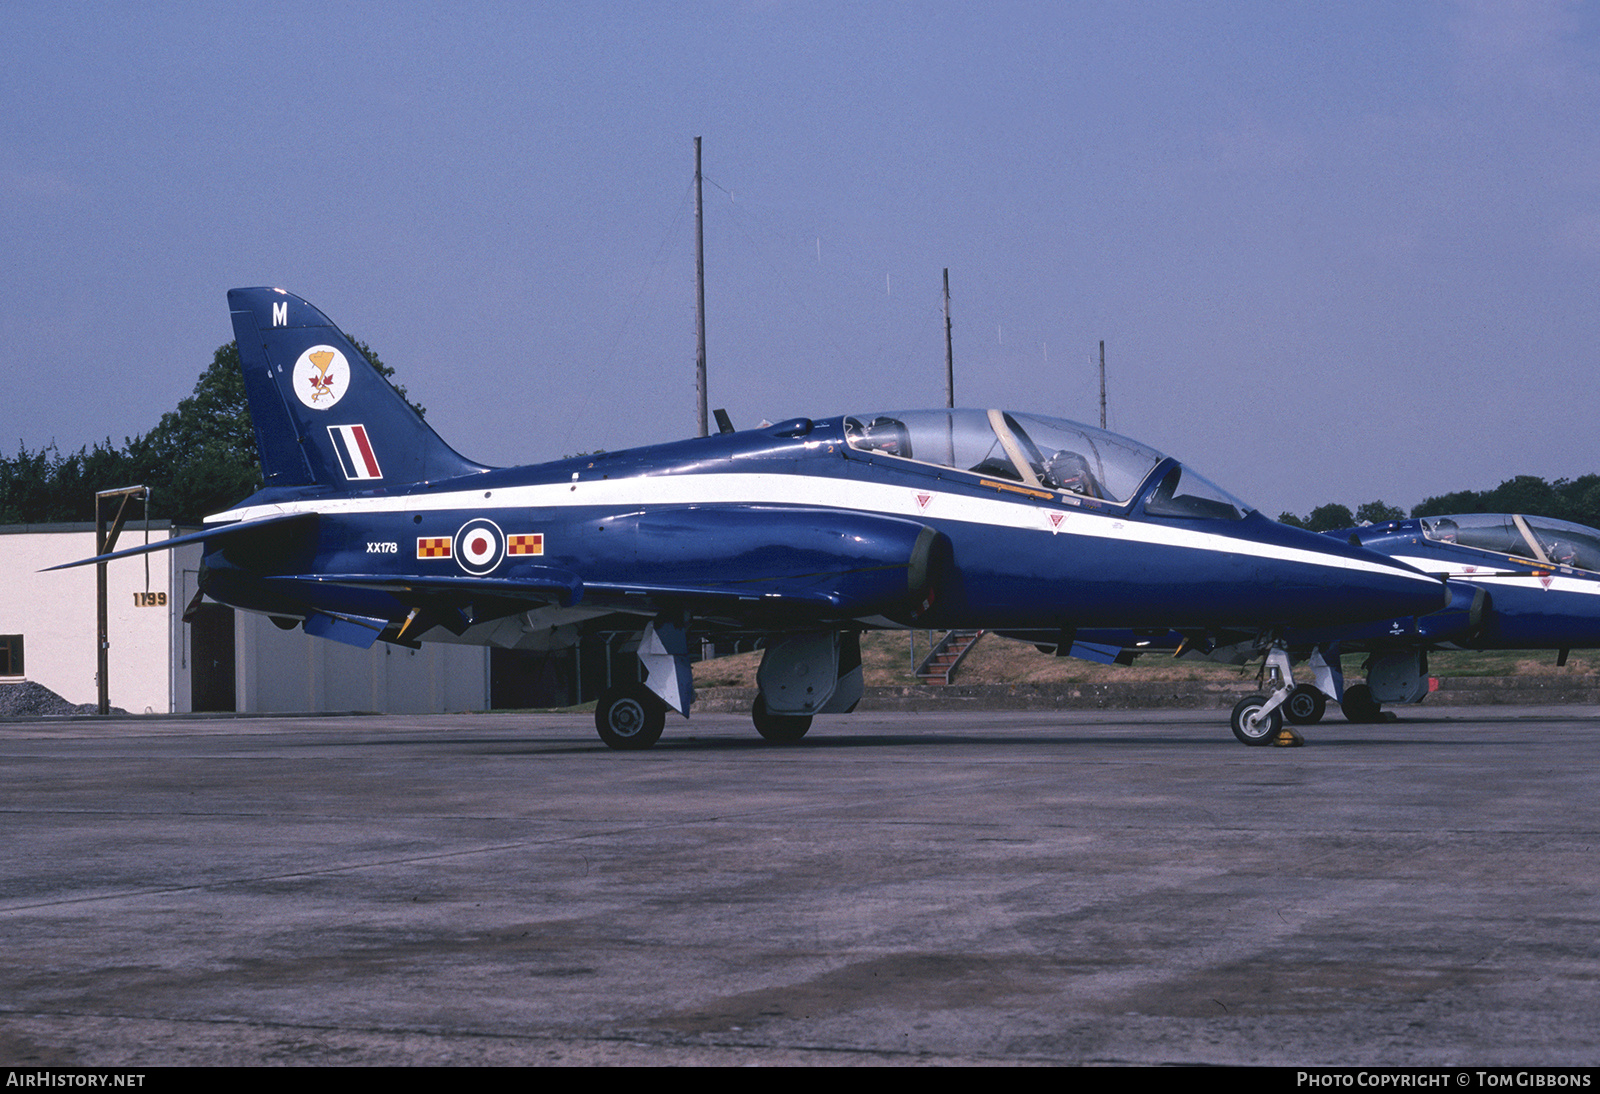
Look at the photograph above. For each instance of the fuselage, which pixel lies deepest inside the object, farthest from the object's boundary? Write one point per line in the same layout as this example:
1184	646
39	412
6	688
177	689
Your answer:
803	525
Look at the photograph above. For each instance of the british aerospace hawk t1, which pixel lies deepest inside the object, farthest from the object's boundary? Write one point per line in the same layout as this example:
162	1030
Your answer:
1520	582
1517	582
796	537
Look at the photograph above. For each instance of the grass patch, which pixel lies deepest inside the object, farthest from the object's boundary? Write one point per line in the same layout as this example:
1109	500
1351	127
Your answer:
886	661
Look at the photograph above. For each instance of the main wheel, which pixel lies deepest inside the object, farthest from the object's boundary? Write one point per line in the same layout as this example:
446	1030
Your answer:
1359	705
783	729
1305	705
630	717
1256	732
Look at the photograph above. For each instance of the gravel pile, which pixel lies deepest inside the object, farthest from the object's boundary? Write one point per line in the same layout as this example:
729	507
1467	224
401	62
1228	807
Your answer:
30	700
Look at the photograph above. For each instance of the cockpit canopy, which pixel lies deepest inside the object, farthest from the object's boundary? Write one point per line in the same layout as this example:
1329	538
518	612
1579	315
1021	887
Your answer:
1543	539
1048	455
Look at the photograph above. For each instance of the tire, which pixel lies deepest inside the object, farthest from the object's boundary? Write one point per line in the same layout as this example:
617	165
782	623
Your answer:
1261	734
1305	705
782	729
1358	704
630	718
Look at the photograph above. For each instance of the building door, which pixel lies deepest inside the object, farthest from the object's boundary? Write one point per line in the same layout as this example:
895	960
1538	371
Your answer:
211	682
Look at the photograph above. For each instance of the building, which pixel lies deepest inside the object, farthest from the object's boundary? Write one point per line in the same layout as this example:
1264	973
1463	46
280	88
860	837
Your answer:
221	660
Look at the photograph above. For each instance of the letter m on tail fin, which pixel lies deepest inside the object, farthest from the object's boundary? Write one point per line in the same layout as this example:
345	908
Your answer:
323	414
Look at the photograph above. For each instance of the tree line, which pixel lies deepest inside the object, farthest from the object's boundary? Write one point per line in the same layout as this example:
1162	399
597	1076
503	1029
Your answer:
1577	500
197	460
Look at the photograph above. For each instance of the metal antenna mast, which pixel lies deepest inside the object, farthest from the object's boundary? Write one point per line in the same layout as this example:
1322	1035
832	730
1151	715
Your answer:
949	352
1102	383
700	298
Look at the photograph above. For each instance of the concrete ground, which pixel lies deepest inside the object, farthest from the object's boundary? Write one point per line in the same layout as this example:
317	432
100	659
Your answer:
1031	888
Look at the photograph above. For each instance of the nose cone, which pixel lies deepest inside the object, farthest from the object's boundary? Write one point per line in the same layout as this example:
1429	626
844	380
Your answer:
1323	581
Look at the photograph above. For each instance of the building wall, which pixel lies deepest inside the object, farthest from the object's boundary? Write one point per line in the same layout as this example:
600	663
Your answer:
151	659
289	671
55	614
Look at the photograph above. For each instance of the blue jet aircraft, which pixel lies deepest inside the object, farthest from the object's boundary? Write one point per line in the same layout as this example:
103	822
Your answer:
1520	582
796	537
1517	582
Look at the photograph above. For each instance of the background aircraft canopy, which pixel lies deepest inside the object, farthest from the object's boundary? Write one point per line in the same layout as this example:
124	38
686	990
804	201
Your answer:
1044	453
1544	539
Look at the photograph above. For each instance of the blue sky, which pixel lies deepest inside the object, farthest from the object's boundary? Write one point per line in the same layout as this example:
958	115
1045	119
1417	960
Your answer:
1336	251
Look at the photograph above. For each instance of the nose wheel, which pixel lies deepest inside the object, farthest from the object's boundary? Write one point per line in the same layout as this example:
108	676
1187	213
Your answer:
1253	723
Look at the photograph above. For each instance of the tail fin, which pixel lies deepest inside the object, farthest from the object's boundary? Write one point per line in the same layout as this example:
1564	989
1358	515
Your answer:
323	414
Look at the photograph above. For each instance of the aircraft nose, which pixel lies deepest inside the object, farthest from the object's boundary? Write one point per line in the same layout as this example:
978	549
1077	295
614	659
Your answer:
1318	580
1399	590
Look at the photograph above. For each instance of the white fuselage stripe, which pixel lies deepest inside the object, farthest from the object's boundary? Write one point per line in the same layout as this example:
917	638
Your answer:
814	491
1552	582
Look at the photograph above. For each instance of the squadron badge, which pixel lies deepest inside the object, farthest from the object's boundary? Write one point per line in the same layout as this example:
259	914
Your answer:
321	376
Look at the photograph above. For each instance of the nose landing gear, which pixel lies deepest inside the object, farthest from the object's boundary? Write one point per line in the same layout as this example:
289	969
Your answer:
1258	719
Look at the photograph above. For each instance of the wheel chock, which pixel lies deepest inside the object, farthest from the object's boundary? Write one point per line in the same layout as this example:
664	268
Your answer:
1288	737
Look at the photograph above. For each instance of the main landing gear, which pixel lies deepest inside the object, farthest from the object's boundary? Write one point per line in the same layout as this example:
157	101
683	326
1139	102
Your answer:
800	675
630	717
1306	705
1360	707
782	729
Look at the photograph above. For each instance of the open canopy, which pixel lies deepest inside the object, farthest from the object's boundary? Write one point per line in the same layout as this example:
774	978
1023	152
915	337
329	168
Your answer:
1051	455
1543	539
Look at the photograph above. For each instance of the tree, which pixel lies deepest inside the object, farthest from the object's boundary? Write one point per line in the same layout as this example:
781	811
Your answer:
1377	512
45	486
1524	494
199	458
202	456
1577	499
1326	518
1461	501
1582	496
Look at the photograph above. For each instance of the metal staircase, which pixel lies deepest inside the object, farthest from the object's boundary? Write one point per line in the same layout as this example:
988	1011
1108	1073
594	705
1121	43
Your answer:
939	667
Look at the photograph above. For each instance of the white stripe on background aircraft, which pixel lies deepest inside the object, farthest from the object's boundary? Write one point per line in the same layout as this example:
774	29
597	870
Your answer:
797	537
1521	582
1517	582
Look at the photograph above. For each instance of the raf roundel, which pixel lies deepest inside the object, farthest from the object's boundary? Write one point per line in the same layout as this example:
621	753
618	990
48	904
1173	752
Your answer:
321	377
479	546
